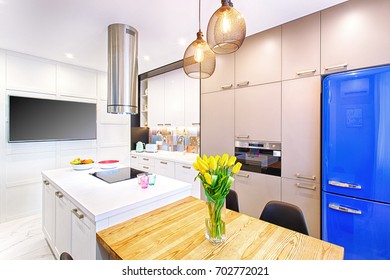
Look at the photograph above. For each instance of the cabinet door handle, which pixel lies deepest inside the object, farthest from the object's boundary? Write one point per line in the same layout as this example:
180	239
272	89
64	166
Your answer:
243	136
344	185
78	215
186	167
300	176
160	124
306	72
299	185
168	124
46	182
243	84
335	67
344	209
195	123
163	162
243	176
227	86
59	194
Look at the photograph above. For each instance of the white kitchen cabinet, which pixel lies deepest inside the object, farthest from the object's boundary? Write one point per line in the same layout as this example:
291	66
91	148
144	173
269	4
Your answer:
164	168
134	161
259	59
76	81
146	163
258	112
83	236
223	76
354	35
307	196
187	173
301	128
254	190
217	119
48	213
301	47
62	224
174	98
156	101
191	101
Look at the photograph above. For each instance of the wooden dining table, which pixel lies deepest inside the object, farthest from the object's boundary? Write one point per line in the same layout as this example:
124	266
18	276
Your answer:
177	232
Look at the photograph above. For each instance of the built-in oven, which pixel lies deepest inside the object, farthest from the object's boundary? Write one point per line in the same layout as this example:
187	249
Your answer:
259	156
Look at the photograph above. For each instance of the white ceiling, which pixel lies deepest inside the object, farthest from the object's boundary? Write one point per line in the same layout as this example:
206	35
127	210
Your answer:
52	28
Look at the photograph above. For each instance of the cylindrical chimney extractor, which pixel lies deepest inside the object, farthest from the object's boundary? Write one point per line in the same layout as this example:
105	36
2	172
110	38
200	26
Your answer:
122	69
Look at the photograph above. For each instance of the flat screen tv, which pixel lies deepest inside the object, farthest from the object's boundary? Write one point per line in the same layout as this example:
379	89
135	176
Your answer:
35	119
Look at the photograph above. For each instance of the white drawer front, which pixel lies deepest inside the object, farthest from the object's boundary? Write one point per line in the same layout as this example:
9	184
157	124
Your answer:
142	160
164	167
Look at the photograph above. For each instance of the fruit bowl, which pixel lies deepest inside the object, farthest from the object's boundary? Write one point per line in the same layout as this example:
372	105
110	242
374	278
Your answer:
82	164
108	164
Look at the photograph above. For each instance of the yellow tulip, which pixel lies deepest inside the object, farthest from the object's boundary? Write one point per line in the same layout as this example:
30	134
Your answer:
236	167
231	161
205	159
196	166
207	176
212	163
217	157
224	159
202	170
201	163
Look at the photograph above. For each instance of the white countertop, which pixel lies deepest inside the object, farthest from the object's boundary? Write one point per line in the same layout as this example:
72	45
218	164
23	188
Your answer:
99	200
186	158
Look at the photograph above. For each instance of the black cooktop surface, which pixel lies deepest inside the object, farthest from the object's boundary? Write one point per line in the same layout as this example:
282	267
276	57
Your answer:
117	174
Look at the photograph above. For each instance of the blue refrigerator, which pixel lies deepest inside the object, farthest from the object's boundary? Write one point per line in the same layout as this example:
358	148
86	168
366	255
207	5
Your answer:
356	162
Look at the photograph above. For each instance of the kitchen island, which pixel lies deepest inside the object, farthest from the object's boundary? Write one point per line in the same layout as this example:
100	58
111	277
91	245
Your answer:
76	205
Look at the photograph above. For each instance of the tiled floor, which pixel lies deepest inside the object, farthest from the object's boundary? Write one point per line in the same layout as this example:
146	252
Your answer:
23	239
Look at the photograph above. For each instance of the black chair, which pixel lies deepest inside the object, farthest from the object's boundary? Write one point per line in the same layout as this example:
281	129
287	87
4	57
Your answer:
232	201
65	256
285	215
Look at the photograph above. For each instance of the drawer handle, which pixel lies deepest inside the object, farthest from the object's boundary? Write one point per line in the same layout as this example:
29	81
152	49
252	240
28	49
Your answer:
163	162
168	124
227	86
133	157
243	176
195	123
300	176
344	185
335	67
146	159
299	185
344	209
78	215
160	124
146	167
306	72
186	167
59	195
243	136
46	182
243	84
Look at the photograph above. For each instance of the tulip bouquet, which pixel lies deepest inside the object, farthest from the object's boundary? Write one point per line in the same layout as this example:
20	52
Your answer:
217	175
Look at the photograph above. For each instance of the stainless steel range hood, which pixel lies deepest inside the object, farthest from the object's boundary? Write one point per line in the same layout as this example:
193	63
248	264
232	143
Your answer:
122	69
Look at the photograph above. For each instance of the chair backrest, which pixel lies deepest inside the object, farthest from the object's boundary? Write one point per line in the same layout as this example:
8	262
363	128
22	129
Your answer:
232	201
285	215
66	256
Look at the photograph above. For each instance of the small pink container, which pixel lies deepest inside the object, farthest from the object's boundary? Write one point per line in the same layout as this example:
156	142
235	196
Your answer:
144	181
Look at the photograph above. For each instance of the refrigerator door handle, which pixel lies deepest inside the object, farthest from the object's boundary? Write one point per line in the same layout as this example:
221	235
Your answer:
344	185
344	209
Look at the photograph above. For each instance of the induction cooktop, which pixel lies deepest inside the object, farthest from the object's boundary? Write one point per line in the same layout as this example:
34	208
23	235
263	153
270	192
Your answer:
117	174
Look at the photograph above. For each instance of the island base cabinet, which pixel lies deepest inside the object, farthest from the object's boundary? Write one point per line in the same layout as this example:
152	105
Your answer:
306	195
82	237
48	218
62	224
254	190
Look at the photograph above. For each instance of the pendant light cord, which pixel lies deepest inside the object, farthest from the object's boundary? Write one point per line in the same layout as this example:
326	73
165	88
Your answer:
199	16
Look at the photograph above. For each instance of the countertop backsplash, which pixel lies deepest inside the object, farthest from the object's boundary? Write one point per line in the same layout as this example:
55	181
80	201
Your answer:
175	138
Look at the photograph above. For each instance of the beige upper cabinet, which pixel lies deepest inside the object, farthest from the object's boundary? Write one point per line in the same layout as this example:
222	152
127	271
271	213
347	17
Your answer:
258	112
354	35
258	61
217	119
301	125
223	76
301	47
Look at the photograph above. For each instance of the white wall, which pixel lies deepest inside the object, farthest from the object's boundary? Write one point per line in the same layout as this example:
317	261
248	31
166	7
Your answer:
21	163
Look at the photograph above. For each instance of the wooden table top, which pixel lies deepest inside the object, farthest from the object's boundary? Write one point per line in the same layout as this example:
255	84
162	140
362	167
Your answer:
177	232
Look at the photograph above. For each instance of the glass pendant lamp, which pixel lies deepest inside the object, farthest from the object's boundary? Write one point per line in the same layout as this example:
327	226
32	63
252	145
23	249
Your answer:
226	30
199	59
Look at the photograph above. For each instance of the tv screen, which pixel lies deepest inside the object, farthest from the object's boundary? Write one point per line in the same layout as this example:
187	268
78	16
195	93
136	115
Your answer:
34	119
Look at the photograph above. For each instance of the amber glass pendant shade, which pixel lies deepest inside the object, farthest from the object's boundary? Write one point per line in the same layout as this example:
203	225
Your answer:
226	30
199	59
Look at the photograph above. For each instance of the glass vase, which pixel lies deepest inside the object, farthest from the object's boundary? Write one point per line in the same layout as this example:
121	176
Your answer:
215	220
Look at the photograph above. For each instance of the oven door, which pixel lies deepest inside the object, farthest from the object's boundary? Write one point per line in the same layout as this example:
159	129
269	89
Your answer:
259	157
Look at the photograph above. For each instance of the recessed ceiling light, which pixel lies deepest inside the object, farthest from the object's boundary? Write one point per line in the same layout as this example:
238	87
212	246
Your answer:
182	41
146	57
69	55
